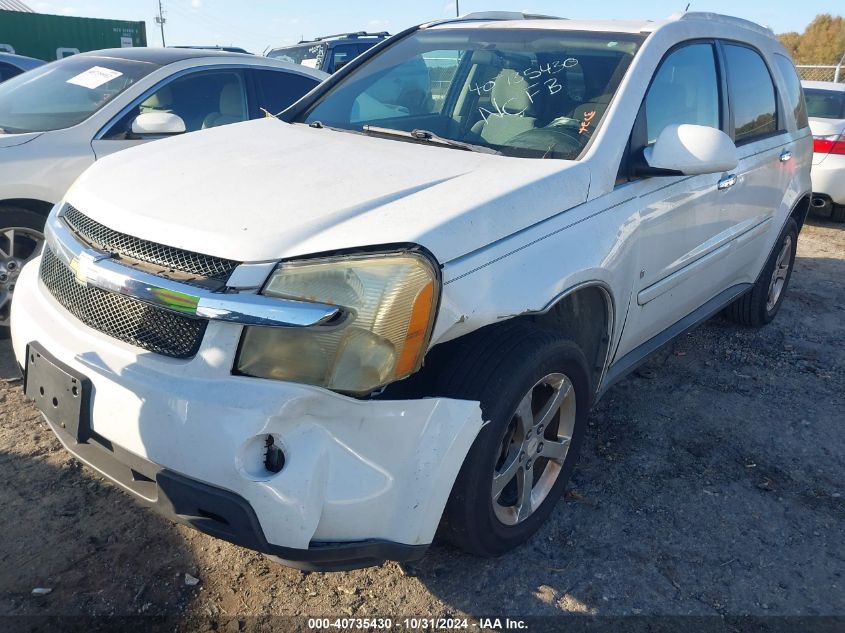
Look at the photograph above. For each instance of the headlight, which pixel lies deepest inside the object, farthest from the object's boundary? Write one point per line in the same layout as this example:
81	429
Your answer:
390	301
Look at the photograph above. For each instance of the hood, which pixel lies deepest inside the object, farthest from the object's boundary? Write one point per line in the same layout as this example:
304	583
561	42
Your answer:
13	140
266	190
825	127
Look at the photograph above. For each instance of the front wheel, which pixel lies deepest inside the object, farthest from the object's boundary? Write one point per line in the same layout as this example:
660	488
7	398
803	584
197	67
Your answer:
21	236
534	390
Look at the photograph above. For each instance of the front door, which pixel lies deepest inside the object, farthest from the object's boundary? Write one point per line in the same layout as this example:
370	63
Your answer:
203	99
682	234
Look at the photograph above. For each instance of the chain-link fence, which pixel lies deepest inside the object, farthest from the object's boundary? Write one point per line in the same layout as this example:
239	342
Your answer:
822	73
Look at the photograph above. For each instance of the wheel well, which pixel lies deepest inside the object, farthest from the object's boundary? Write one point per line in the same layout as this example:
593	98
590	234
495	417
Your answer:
800	211
583	316
37	206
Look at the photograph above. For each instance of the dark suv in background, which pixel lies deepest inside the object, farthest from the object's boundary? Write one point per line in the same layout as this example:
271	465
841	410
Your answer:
329	53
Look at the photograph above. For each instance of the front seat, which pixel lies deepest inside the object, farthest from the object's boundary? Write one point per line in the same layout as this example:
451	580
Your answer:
510	110
231	108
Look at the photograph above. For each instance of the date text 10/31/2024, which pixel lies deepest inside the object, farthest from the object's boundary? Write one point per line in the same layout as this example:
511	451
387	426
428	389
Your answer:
417	624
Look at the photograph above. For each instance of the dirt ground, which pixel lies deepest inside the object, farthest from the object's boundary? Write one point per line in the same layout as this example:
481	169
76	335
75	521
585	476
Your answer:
711	483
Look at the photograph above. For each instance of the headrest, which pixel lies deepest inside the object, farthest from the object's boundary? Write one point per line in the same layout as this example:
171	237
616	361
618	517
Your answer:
510	91
231	100
161	99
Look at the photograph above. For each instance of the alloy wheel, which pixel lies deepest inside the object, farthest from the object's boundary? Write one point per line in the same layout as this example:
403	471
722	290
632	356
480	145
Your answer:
779	274
533	449
18	245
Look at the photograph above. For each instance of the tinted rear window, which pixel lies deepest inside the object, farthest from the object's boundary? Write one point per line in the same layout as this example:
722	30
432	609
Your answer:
792	87
752	94
825	104
279	89
7	71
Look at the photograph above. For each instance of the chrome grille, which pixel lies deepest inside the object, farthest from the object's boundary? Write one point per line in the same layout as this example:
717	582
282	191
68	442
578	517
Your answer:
121	317
169	259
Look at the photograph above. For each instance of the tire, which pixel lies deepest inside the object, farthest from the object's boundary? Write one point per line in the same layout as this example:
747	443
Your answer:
837	213
26	242
498	368
756	308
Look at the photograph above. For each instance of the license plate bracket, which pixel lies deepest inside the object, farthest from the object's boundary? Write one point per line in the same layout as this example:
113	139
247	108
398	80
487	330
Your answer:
60	393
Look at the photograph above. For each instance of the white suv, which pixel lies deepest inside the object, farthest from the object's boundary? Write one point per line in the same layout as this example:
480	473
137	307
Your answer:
392	309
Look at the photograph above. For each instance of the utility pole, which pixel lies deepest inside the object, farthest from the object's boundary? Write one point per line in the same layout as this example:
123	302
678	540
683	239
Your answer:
160	20
458	8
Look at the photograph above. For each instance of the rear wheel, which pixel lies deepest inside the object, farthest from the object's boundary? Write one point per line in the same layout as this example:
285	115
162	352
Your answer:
21	236
534	391
760	305
837	213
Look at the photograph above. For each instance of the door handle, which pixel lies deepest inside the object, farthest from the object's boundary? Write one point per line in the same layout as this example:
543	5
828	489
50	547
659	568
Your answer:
785	156
727	182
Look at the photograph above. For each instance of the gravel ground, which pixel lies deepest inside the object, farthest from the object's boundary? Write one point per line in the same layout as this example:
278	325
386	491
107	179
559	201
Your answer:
711	484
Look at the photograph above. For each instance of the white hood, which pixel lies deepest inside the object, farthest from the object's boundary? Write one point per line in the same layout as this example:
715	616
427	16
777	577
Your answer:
265	190
13	140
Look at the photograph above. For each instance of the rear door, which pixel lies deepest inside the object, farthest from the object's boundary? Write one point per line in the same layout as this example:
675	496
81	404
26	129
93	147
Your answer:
767	161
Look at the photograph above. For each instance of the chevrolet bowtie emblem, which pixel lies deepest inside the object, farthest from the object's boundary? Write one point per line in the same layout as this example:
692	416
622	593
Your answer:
82	266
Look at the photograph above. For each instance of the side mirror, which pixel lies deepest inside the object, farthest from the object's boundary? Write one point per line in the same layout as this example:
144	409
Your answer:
157	124
690	150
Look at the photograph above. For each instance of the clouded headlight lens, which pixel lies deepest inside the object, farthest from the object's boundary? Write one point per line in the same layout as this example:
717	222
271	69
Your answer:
391	303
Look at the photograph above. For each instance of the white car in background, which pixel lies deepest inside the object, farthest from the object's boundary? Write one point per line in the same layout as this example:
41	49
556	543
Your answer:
826	109
373	315
56	120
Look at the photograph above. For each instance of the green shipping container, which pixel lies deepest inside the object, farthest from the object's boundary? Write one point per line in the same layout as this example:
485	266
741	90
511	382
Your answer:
51	37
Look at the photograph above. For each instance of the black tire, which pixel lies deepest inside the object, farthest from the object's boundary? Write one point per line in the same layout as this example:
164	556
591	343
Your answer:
837	213
12	216
751	309
497	368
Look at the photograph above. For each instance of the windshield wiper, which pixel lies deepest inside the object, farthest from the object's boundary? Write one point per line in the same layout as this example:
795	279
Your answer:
424	136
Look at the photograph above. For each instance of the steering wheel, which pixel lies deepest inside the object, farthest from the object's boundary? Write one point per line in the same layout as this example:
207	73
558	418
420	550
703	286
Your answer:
551	142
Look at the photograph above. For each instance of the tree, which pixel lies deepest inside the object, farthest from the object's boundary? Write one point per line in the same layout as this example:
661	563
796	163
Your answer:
822	43
791	41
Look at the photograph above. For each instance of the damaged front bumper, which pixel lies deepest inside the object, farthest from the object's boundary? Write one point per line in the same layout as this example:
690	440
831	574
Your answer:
363	480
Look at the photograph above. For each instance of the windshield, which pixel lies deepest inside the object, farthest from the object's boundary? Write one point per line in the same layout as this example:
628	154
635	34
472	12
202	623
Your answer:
825	104
64	93
522	92
310	55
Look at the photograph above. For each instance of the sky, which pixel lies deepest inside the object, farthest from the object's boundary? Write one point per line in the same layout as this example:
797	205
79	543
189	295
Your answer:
259	24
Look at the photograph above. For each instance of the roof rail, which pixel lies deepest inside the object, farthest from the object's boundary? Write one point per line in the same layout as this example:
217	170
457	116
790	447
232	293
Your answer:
493	16
722	19
349	35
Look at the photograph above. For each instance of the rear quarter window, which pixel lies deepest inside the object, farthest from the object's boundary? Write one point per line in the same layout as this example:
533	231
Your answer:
793	95
279	89
8	71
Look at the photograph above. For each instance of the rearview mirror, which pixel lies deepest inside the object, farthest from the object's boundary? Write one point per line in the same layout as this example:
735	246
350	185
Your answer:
158	124
690	150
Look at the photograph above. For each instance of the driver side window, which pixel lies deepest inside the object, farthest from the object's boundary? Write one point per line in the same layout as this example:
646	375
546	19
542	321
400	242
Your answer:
685	89
201	99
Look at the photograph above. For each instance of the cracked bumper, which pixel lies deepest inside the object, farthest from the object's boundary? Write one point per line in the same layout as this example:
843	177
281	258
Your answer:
358	473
